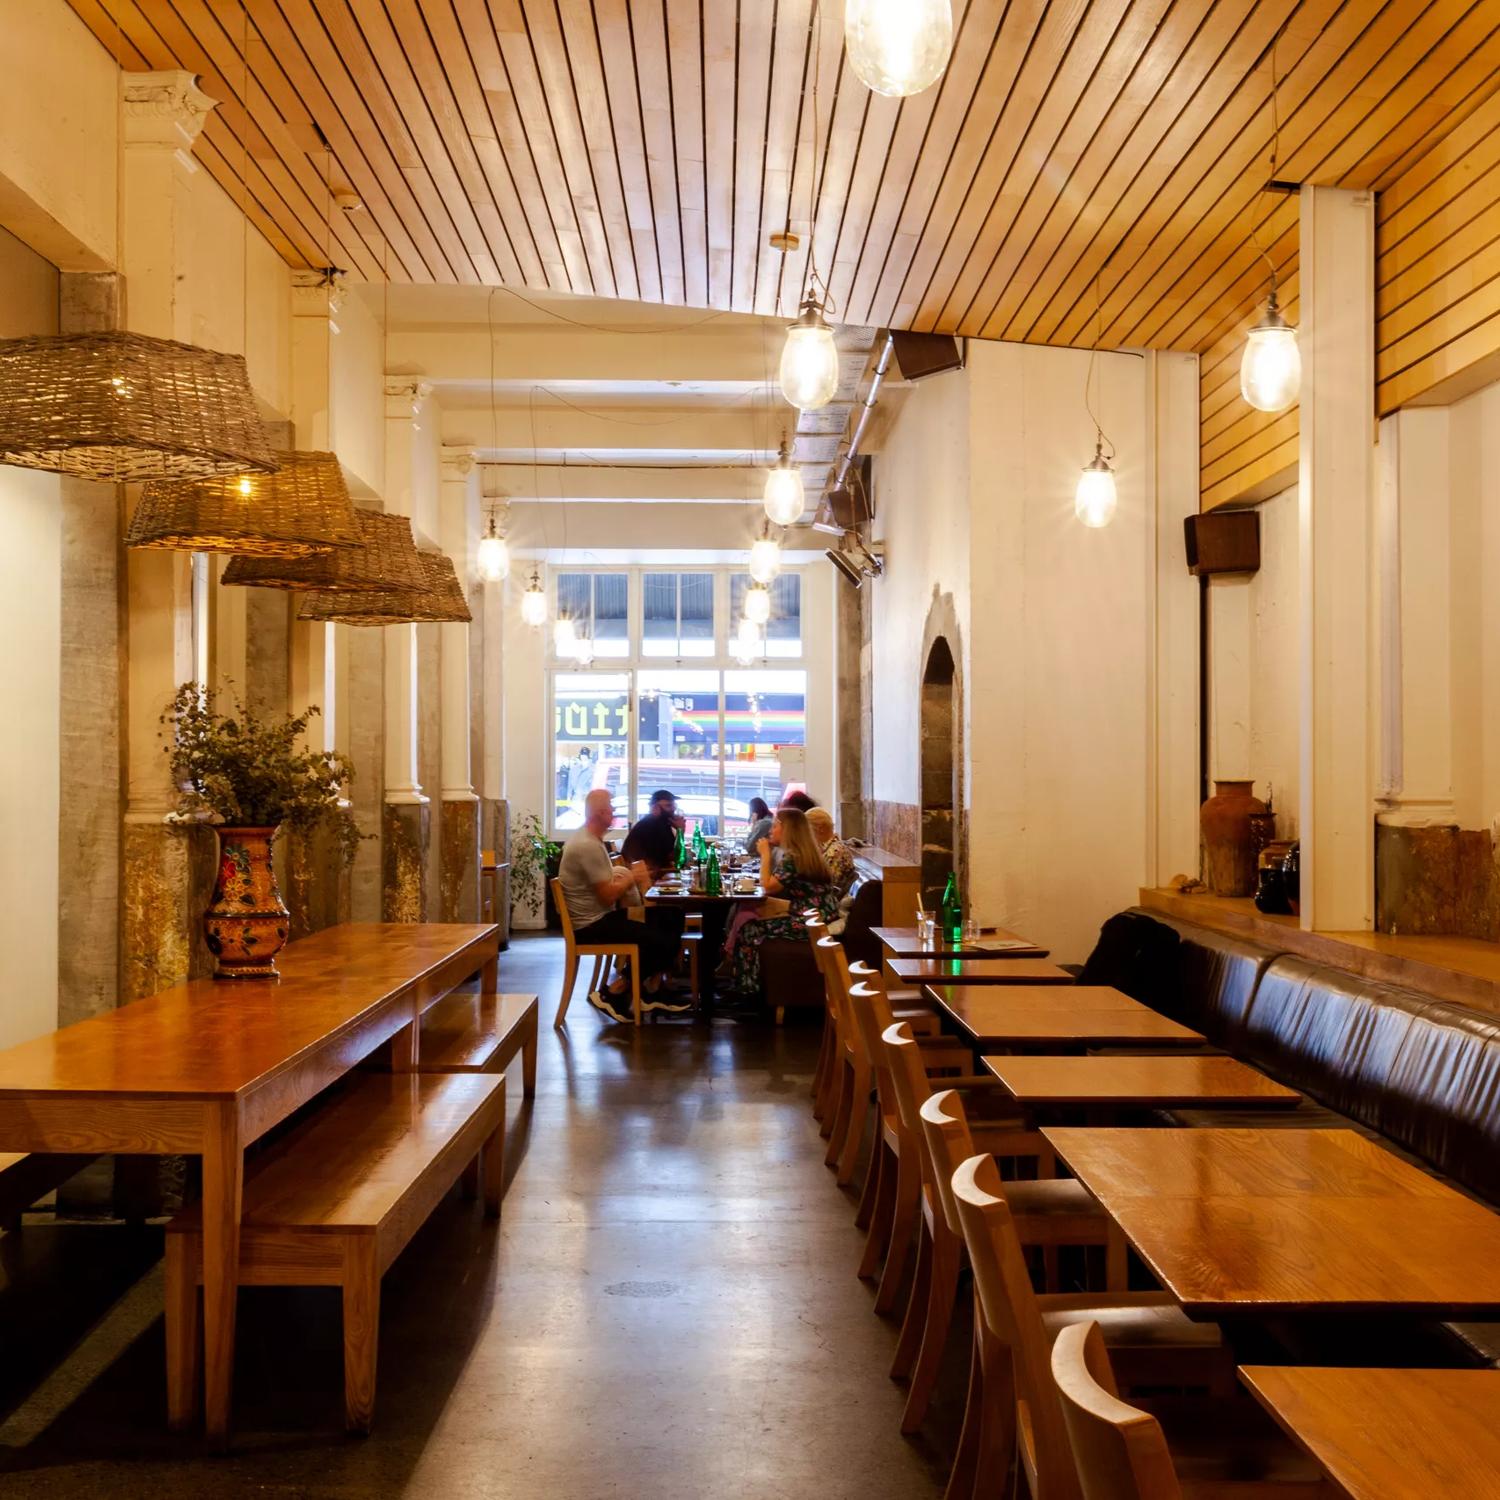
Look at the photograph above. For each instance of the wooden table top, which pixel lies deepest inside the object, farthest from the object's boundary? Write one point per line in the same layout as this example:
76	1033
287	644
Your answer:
678	896
1273	1222
215	1038
1390	1434
988	970
903	942
1158	1081
1002	1015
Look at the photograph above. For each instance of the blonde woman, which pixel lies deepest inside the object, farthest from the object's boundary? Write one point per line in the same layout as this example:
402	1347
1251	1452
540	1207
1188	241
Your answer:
836	853
803	882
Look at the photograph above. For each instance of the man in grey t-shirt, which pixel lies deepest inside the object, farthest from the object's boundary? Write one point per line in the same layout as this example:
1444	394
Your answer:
593	889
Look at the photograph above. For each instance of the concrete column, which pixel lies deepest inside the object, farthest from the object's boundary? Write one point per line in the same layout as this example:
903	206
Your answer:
489	606
458	837
1172	479
851	687
167	870
1335	494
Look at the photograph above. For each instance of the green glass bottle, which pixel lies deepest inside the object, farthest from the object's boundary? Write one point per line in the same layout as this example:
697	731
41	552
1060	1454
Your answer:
951	912
715	881
700	850
679	853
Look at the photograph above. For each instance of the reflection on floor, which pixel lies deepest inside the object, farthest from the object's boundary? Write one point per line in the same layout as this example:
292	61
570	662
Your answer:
667	1310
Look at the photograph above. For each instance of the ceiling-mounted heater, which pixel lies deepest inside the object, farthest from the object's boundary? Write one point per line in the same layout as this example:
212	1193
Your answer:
856	559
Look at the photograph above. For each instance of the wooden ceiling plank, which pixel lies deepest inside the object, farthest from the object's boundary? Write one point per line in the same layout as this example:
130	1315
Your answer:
568	53
1444	241
1439	158
872	164
850	106
446	169
751	123
1053	74
1030	26
313	63
1322	138
1462	276
1475	308
650	179
645	28
1276	461
789	60
1137	58
1407	233
1399	384
928	126
1276	431
684	46
250	193
719	79
1235	426
1244	296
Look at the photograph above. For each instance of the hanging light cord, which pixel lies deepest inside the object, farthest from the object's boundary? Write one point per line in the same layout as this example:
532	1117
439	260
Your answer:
1101	439
1275	155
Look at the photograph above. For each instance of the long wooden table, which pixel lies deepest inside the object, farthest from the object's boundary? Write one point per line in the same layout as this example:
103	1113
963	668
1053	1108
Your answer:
1124	1082
1273	1222
903	942
207	1067
977	971
1053	1015
1390	1434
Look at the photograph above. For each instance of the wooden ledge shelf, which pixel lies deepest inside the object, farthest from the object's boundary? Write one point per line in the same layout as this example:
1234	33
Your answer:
1463	970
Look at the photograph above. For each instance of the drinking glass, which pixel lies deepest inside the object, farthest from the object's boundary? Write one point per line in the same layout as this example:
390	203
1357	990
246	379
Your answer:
972	931
926	925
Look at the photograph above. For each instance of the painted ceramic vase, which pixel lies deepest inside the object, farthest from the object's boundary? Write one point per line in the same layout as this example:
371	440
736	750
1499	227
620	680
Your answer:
1229	849
246	926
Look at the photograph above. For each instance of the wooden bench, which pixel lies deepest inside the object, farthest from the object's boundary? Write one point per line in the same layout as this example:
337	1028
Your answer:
481	1034
27	1176
334	1202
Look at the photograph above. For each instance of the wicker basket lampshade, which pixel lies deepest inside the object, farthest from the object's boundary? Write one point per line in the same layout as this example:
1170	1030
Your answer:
121	407
386	558
441	601
303	508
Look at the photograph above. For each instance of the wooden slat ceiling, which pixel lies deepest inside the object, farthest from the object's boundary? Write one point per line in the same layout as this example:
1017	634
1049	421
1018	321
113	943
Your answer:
645	149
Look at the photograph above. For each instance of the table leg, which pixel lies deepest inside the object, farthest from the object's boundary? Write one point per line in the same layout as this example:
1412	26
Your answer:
223	1185
711	948
489	978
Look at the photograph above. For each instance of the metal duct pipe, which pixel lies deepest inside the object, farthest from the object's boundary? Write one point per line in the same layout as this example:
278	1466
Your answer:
846	462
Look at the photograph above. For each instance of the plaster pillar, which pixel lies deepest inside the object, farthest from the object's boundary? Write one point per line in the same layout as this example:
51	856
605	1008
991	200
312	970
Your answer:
167	870
489	606
458	838
1335	493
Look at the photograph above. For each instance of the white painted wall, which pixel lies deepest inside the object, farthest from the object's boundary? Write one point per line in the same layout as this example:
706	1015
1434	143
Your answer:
30	620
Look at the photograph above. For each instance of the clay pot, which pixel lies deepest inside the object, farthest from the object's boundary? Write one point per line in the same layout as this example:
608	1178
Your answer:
1229	849
246	926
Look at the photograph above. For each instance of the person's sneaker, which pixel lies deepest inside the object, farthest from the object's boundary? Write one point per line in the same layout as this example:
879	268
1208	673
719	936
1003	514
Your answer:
616	1007
670	1001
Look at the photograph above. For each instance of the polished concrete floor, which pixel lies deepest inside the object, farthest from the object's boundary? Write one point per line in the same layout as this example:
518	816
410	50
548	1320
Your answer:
667	1310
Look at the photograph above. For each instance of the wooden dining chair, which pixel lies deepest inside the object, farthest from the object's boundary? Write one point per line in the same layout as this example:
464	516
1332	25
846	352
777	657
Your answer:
1122	1453
1016	1328
601	953
1050	1213
823	1073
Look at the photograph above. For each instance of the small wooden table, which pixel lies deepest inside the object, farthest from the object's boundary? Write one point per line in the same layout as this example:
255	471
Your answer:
1280	1222
207	1067
715	912
1054	1015
977	971
1154	1082
1390	1434
903	942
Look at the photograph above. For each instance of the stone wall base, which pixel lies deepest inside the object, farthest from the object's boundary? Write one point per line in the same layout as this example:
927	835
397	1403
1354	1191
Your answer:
896	827
458	838
317	887
1440	880
405	837
166	886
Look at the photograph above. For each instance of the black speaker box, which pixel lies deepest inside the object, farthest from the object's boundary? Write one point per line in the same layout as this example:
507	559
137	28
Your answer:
1223	541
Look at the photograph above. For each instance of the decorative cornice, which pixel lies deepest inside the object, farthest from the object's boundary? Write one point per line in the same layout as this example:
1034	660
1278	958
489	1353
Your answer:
404	395
317	294
459	462
164	111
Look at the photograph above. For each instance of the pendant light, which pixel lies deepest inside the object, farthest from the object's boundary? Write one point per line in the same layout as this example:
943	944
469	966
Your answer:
1271	366
785	499
810	360
583	651
1095	500
386	558
494	554
757	604
440	601
765	557
564	637
898	47
534	601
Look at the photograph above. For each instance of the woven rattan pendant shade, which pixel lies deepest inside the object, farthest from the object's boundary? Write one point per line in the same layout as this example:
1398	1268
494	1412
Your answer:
441	601
303	508
121	407
385	559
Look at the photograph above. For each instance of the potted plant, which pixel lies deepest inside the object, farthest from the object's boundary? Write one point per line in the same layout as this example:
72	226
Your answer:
249	776
534	860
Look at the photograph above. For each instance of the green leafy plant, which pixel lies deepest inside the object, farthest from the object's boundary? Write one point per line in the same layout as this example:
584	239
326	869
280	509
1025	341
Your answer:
248	771
531	856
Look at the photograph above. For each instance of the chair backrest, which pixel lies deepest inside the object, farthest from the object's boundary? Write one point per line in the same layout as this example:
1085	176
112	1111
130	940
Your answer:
1120	1453
563	914
872	1014
1011	1316
945	1131
903	1060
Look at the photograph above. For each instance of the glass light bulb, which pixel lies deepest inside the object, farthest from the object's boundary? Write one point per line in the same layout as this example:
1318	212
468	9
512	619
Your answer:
785	499
1096	498
563	637
494	558
810	361
898	47
1271	366
534	603
246	486
765	559
758	603
583	651
748	633
744	653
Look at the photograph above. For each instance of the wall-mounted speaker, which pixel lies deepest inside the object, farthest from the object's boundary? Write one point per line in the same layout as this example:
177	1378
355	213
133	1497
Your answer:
922	354
1223	541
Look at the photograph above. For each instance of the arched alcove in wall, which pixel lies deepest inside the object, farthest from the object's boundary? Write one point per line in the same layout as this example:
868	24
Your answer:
941	762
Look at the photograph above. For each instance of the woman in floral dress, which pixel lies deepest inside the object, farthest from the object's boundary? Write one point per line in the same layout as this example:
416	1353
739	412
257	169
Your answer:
804	881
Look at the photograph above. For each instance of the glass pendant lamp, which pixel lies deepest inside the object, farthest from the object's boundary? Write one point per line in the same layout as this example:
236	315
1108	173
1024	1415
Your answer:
810	360
494	554
1271	366
785	498
534	601
564	637
898	47
765	558
757	604
1096	499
